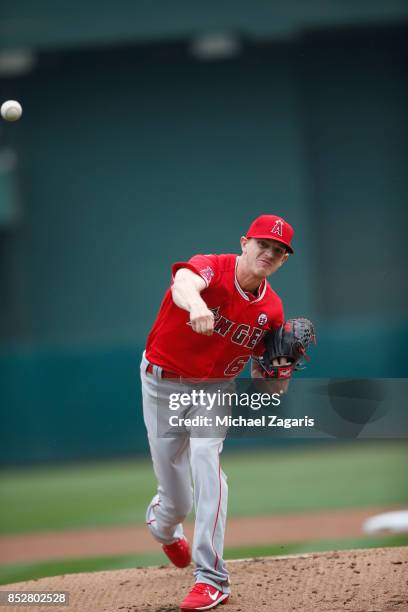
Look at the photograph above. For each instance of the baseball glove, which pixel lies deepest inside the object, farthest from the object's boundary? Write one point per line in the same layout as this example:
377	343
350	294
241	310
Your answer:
290	341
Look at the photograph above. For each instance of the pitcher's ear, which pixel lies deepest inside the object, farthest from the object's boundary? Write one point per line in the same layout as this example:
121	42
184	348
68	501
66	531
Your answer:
244	241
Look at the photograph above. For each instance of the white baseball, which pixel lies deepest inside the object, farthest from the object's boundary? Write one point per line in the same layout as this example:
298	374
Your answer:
11	110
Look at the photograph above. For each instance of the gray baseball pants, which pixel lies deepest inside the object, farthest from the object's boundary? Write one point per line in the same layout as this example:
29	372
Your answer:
187	469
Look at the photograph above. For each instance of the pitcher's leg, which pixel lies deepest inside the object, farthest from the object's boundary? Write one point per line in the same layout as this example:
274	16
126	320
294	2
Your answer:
210	499
170	456
174	498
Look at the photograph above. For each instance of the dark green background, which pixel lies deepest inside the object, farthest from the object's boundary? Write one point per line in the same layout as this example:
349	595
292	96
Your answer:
130	158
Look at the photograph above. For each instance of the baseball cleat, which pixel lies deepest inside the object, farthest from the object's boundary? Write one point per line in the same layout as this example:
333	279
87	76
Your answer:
203	597
179	552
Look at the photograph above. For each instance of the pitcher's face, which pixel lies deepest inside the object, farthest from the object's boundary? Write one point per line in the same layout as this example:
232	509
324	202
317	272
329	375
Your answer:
262	256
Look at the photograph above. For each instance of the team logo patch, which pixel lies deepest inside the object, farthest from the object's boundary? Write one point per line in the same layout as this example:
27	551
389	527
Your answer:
278	227
262	319
207	273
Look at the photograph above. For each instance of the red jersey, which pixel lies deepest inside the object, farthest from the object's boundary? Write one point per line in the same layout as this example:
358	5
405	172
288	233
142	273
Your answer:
241	321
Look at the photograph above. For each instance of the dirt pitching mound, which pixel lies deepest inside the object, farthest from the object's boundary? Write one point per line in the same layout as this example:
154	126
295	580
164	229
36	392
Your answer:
359	580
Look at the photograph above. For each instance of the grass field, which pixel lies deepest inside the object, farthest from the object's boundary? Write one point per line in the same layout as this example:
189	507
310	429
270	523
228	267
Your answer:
116	493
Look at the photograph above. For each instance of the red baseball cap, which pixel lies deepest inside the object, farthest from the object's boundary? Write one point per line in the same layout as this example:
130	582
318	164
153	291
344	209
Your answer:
272	228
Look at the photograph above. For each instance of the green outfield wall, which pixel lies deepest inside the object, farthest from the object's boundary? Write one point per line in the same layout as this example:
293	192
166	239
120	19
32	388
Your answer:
68	405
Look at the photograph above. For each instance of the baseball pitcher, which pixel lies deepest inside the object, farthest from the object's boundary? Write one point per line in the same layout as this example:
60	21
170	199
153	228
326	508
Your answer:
215	316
